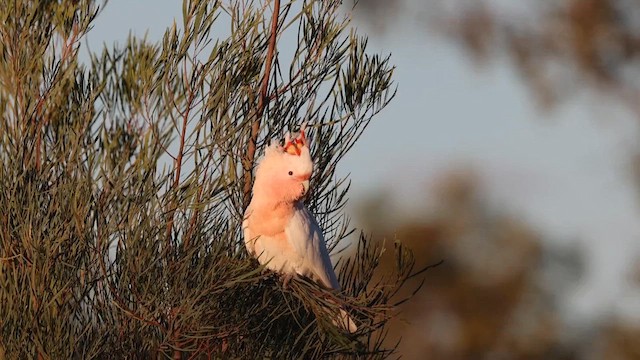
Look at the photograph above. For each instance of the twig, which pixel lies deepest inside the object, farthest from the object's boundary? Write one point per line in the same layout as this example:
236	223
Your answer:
67	51
179	158
262	101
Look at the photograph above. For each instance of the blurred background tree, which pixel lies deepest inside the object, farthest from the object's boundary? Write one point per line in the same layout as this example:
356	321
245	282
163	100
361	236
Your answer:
501	292
559	47
498	292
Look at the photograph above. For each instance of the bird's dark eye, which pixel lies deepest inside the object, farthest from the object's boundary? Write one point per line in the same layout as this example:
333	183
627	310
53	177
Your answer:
290	173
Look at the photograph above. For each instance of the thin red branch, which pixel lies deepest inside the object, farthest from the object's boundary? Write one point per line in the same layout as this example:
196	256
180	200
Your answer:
179	157
183	135
262	101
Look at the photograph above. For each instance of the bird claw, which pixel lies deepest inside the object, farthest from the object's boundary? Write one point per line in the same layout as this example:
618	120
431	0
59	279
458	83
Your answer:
286	279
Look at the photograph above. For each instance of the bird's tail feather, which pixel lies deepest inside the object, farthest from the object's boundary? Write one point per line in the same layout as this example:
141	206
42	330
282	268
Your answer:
345	322
341	319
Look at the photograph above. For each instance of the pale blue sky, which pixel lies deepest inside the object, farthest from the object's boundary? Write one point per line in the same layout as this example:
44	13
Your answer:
565	172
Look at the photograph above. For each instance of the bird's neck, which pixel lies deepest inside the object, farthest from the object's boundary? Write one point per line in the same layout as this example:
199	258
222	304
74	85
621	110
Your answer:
267	204
270	197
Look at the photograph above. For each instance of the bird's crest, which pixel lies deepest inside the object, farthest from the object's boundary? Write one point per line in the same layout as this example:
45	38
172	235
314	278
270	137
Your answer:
294	146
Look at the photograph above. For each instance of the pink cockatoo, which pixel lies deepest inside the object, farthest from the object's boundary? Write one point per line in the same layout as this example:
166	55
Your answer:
278	228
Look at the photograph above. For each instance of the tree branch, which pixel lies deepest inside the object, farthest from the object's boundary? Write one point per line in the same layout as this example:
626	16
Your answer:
262	101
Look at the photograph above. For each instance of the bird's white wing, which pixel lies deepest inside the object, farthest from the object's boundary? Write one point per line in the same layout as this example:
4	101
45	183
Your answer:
305	235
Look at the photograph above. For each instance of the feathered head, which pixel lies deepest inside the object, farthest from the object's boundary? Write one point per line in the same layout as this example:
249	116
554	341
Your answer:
283	173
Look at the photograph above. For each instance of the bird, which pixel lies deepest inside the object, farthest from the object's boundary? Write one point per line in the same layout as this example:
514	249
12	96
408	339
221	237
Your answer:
279	230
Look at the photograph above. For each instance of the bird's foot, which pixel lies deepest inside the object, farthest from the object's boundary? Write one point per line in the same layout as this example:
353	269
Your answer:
286	279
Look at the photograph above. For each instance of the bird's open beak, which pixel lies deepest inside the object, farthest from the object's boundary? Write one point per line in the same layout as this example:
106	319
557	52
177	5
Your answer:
305	186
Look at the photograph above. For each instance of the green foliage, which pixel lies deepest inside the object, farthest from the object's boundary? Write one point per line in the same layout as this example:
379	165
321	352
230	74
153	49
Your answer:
122	183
